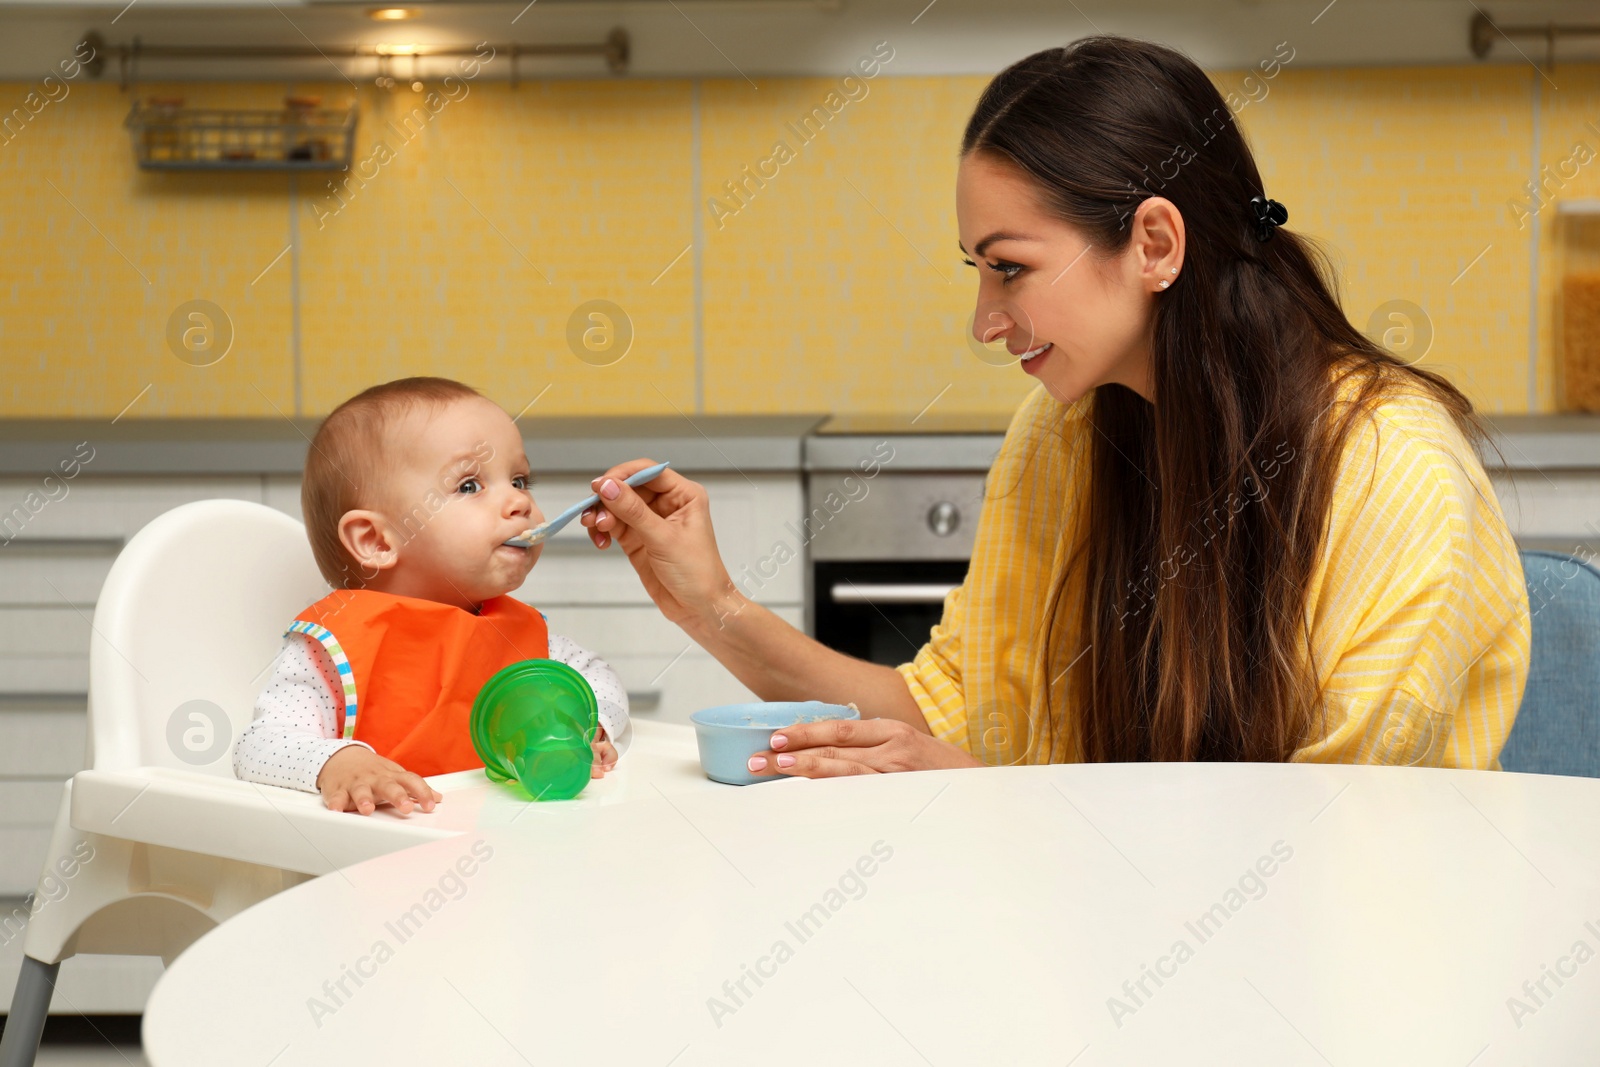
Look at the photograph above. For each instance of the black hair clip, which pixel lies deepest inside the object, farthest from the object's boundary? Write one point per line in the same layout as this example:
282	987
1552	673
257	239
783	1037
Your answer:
1269	216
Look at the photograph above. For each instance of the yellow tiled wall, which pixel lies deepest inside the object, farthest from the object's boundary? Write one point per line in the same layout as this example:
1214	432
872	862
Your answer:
833	284
1404	176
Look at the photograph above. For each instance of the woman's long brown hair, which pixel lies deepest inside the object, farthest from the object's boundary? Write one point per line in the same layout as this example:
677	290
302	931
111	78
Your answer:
1206	510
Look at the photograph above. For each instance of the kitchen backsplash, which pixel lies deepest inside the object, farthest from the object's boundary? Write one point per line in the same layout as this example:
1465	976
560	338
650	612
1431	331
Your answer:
787	249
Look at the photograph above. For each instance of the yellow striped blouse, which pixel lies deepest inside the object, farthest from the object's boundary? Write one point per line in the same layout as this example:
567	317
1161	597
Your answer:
1418	612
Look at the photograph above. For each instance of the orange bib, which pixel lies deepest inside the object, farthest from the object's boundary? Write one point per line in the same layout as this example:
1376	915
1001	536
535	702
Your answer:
413	668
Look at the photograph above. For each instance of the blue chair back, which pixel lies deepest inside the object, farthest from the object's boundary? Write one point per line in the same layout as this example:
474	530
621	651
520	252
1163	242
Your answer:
1558	725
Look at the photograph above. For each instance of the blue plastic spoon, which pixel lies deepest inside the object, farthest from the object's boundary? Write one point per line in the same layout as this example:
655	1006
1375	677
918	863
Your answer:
550	527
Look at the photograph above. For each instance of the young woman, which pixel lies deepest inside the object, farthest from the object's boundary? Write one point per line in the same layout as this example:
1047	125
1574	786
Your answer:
1228	526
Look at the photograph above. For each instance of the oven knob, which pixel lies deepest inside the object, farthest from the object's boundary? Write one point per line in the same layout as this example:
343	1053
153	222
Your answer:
943	518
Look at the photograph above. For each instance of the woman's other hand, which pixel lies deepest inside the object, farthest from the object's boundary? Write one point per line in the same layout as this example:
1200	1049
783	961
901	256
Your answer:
664	526
855	746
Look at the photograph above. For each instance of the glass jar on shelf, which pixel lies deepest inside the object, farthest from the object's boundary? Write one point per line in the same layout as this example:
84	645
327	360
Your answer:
1578	304
299	112
163	138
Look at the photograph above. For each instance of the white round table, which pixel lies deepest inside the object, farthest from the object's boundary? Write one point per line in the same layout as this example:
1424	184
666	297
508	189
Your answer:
1084	915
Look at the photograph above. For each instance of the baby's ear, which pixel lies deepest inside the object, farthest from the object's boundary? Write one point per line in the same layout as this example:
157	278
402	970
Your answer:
365	535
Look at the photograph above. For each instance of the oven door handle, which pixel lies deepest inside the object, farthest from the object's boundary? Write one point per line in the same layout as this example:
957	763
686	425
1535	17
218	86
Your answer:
887	593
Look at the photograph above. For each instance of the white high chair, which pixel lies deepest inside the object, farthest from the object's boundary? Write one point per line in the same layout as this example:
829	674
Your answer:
157	842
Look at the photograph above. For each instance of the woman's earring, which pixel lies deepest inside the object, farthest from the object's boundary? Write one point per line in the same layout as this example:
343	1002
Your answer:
1174	270
1163	283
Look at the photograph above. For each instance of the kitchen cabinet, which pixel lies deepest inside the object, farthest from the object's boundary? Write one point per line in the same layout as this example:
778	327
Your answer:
1551	508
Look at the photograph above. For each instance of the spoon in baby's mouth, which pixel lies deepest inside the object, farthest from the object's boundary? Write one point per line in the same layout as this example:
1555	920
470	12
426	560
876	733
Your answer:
547	529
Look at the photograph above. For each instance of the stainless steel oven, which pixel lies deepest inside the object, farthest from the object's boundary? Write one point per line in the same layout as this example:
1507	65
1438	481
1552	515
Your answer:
889	527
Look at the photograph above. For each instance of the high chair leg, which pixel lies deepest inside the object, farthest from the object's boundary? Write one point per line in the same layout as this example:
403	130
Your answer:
19	1045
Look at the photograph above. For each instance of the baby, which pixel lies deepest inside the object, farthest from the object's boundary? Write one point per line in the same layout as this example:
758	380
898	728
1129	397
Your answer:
411	490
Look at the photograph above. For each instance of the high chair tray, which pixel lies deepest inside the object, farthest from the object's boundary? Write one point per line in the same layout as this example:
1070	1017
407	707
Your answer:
292	830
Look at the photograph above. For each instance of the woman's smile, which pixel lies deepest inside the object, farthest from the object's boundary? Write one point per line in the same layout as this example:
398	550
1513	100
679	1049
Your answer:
1035	359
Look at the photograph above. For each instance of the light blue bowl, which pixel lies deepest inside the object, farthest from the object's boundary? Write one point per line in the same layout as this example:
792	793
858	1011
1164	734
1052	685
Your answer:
729	735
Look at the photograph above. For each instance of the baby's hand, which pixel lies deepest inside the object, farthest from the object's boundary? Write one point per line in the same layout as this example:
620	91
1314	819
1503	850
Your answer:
605	754
357	778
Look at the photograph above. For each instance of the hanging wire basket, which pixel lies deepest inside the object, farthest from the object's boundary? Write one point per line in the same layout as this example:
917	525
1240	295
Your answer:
301	135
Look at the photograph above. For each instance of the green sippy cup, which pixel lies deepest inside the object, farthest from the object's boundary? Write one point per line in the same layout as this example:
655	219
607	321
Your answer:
533	722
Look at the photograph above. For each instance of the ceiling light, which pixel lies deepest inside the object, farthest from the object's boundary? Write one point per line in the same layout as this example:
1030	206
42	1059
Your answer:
391	14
